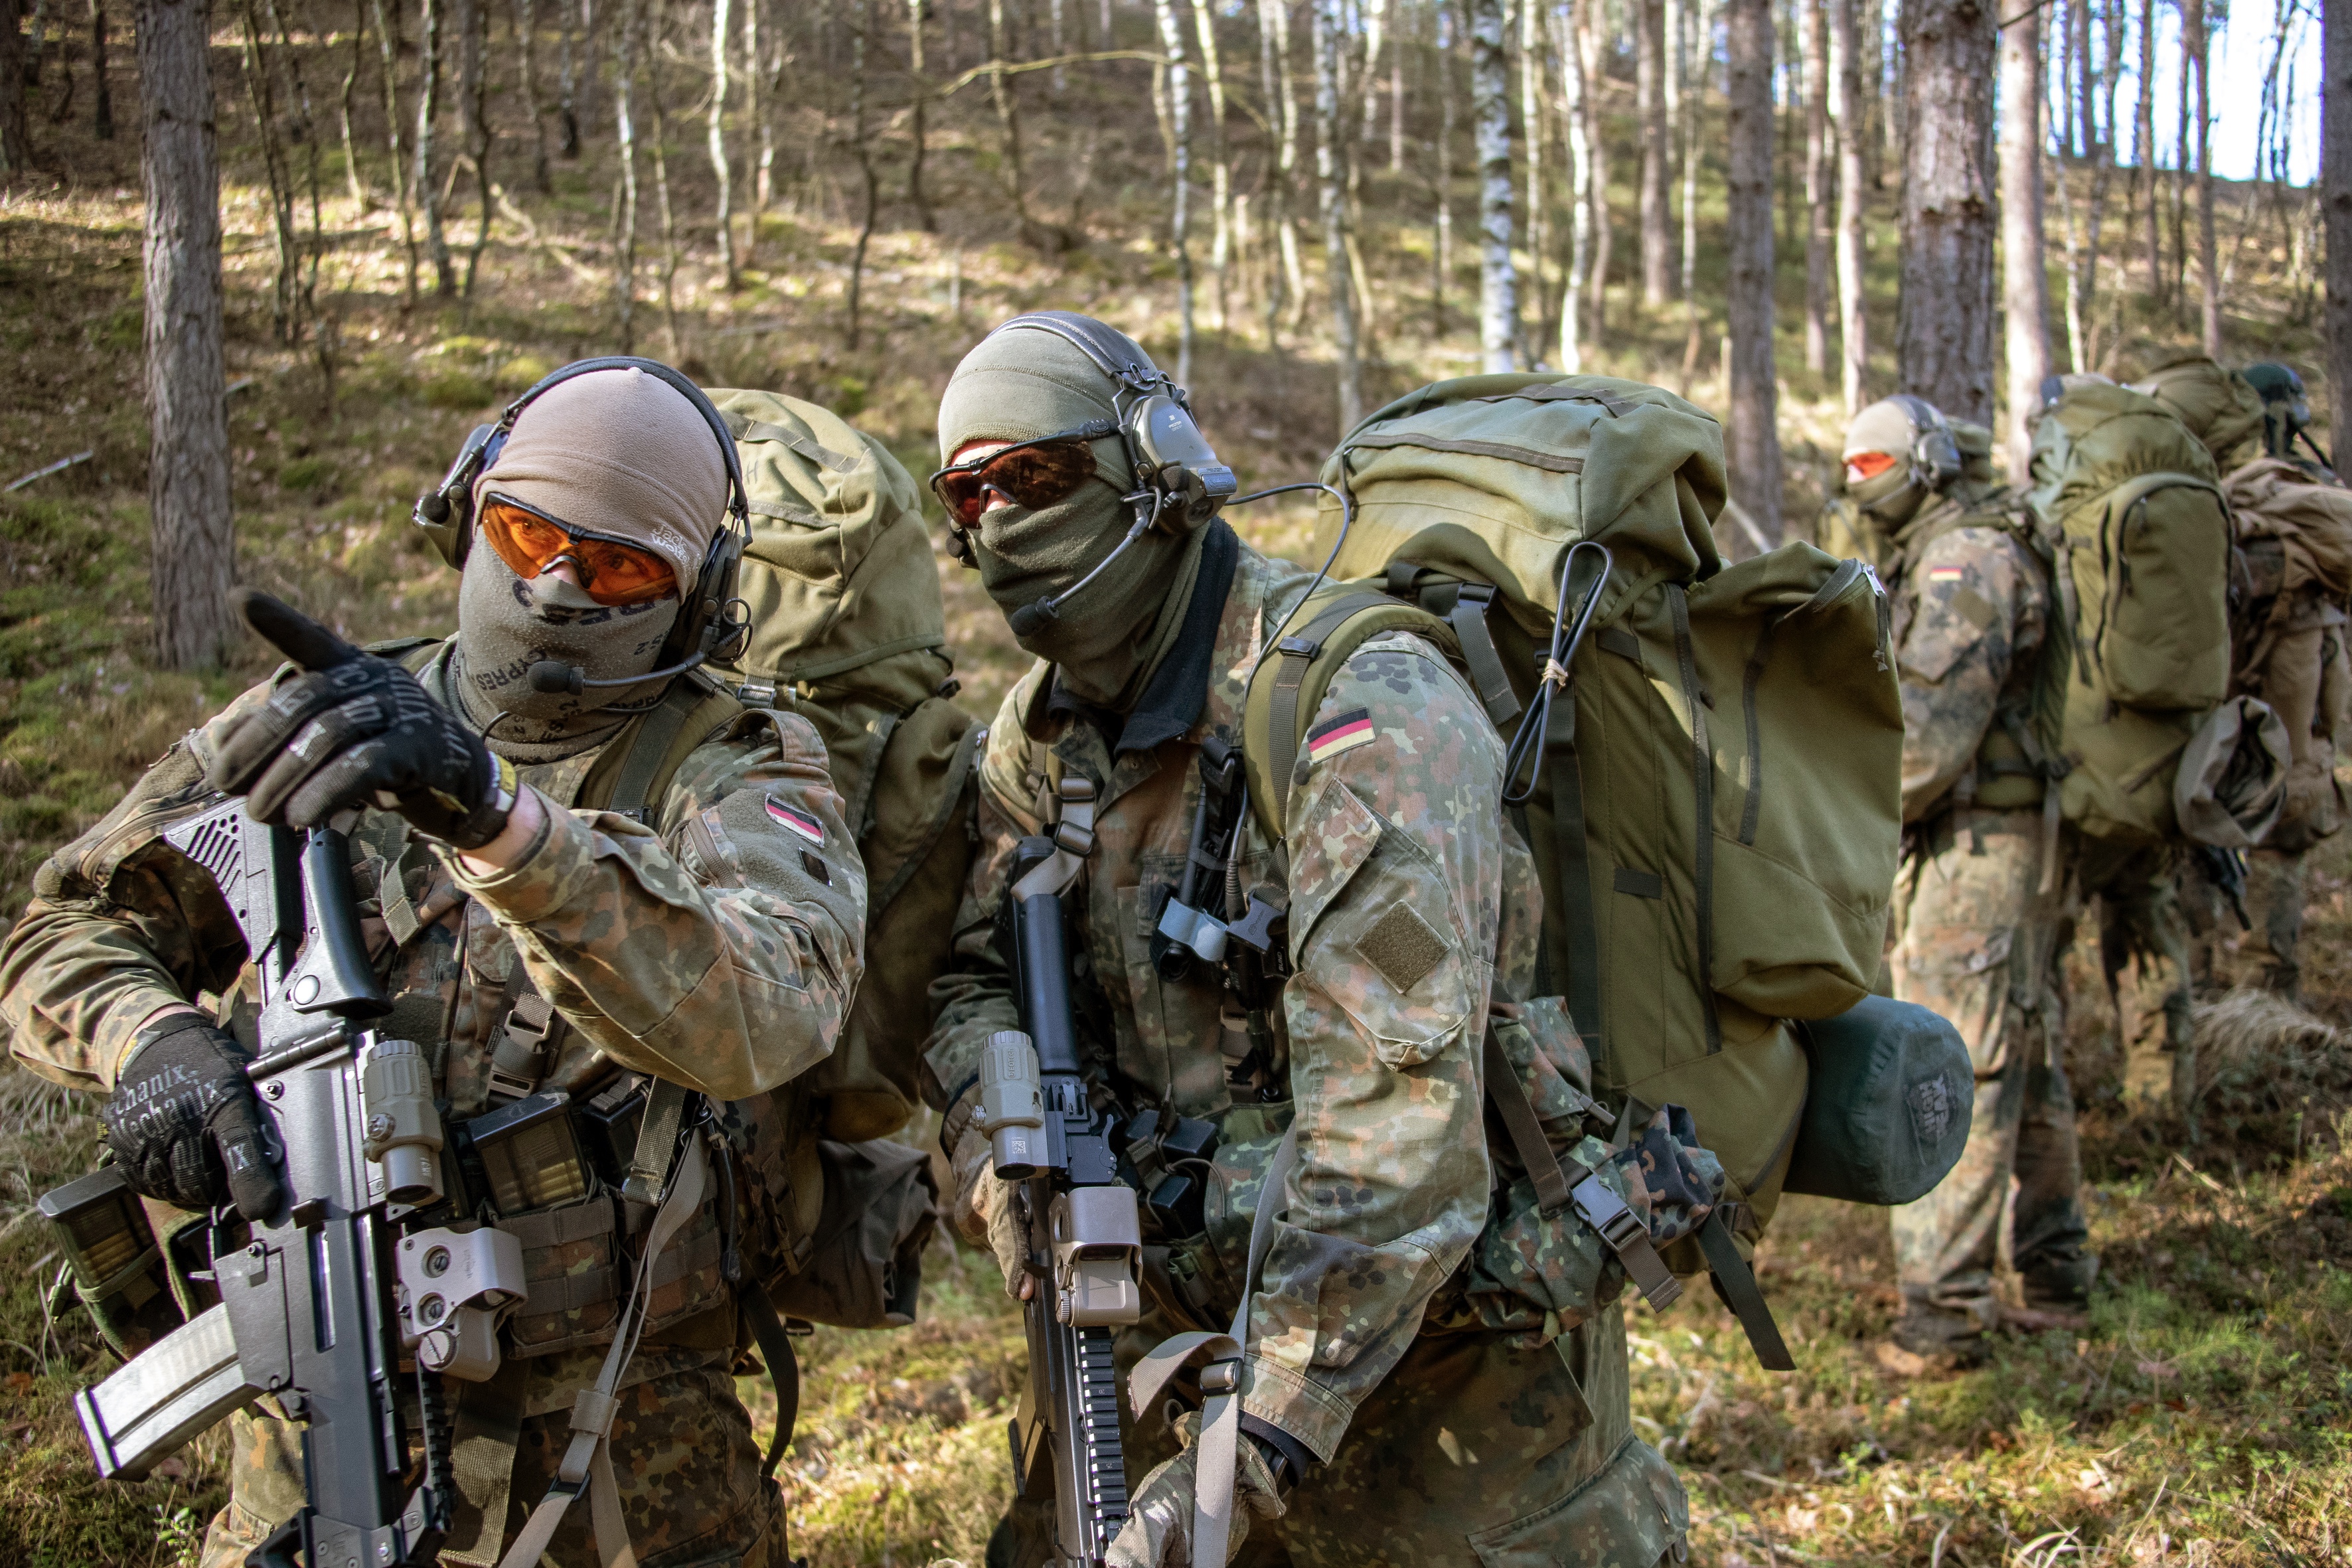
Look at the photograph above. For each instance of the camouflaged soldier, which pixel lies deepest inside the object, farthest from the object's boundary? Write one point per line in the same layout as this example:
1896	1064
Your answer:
1377	1407
1977	905
712	938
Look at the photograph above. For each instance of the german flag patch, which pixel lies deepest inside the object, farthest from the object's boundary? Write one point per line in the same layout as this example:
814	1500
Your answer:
800	822
1945	573
1333	736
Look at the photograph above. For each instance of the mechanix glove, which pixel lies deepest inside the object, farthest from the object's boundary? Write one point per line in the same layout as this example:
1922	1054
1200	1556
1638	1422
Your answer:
982	1209
1159	1528
185	1124
356	730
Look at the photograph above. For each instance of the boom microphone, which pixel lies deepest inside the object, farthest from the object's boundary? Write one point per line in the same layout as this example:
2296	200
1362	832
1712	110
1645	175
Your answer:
552	675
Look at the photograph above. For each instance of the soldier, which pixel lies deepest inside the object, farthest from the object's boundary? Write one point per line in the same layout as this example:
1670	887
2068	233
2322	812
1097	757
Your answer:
712	938
1374	1411
1977	906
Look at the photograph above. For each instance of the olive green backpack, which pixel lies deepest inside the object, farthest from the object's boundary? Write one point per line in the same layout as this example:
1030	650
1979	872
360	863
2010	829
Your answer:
2128	505
847	630
1713	801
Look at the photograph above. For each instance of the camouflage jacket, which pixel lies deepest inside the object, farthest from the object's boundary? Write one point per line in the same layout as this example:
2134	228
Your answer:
1410	903
1971	606
719	948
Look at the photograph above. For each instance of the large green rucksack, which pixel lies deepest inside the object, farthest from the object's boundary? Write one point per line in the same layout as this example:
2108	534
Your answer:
2219	406
2129	509
1714	804
848	630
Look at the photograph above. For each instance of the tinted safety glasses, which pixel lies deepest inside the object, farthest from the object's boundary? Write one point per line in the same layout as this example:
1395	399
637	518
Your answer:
611	573
1032	474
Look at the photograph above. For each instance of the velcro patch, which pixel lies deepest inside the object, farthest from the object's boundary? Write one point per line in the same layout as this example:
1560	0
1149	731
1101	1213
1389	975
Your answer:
800	822
1333	736
1402	947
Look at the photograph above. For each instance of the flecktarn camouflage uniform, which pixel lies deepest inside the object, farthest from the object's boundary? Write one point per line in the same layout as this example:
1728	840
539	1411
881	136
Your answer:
1411	906
718	948
1977	910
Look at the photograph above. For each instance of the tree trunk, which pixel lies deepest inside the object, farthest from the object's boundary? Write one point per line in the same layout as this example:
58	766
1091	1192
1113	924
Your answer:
1531	138
16	143
1573	95
193	553
1288	287
1446	32
2201	60
2025	283
1008	112
1649	19
915	126
1589	24
654	22
428	109
2335	206
1753	453
1490	114
1854	326
1812	29
474	106
624	208
1221	168
722	167
526	25
859	27
1944	334
1331	37
387	38
101	118
1180	174
261	93
2145	150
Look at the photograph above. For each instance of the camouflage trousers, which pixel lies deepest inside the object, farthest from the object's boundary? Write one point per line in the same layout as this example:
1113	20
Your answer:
2144	954
690	1474
1469	1453
2260	954
1976	932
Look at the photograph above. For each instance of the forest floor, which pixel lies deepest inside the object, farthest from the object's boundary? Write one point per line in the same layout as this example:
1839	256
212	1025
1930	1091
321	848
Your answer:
2201	1415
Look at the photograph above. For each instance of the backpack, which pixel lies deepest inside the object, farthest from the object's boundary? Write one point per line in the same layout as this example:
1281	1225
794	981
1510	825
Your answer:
2221	407
2295	532
849	631
2128	513
1712	799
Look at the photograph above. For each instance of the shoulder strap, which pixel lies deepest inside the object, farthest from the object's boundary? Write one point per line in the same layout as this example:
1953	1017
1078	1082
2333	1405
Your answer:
411	654
689	710
1287	689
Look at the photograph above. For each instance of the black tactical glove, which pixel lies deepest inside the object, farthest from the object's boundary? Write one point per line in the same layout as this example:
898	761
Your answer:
185	1124
356	730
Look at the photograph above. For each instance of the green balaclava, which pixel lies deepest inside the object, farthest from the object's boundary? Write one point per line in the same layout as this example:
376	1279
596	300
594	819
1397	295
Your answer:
1025	384
2286	410
619	454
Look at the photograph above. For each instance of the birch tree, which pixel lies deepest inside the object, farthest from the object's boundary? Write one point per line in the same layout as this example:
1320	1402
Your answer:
2144	151
1753	452
192	551
1531	138
625	216
474	116
388	34
1330	39
2200	52
1589	23
915	110
861	28
1490	115
1443	33
1944	331
1649	19
715	137
1813	35
1854	325
1180	170
1581	194
2025	283
1282	102
1220	166
428	110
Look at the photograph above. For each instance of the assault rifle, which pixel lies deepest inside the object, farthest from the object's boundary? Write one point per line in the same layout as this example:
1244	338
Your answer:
1085	1239
321	1300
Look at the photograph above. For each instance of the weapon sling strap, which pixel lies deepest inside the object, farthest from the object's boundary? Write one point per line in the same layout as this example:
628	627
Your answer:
1221	1380
587	1464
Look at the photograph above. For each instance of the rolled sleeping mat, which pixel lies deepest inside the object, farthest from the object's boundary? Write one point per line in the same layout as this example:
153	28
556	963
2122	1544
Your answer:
1887	1115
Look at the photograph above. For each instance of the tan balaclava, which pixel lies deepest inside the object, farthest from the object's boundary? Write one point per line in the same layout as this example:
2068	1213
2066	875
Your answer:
615	453
1025	384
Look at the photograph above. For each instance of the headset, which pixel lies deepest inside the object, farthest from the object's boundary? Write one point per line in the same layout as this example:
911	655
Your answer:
712	620
1179	481
1936	451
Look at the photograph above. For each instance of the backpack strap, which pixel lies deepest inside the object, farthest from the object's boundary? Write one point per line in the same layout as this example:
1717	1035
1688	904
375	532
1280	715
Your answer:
1287	689
688	713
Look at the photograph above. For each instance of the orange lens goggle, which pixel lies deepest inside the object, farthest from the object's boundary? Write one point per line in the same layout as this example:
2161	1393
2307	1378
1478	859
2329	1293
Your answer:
1865	465
1032	474
611	573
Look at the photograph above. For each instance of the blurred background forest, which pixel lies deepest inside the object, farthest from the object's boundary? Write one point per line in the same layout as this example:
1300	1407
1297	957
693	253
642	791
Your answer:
1778	208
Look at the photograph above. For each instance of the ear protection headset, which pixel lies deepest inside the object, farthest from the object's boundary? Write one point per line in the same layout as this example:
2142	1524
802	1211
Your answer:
1180	482
1934	451
712	618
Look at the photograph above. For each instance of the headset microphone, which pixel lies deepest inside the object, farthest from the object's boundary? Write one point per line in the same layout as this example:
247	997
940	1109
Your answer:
554	675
